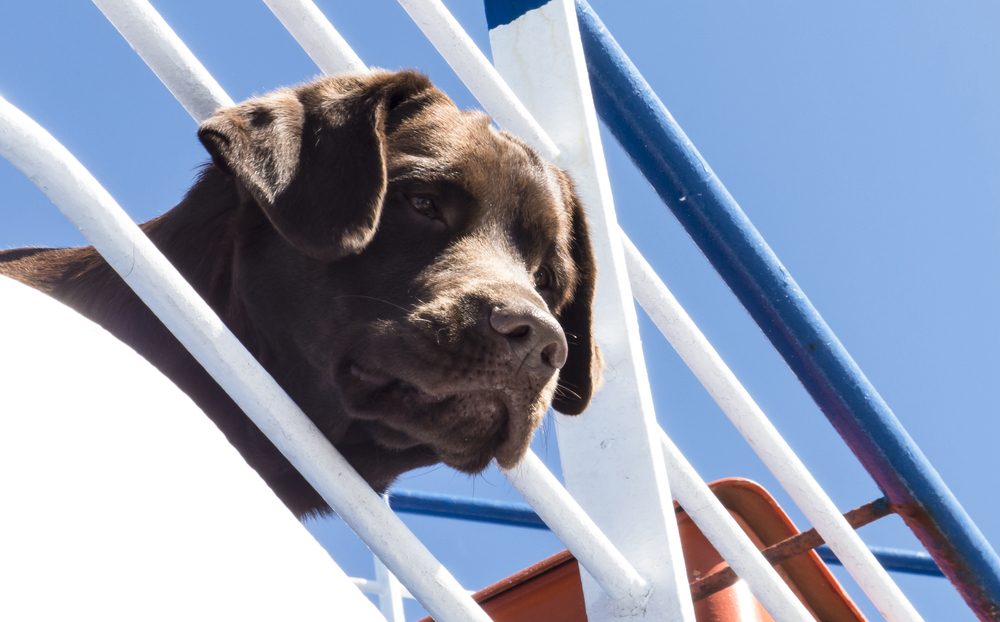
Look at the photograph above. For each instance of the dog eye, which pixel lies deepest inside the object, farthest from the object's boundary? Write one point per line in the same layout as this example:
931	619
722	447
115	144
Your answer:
424	206
544	279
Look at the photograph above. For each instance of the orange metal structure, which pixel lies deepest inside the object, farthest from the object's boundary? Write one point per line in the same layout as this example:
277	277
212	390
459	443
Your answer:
550	591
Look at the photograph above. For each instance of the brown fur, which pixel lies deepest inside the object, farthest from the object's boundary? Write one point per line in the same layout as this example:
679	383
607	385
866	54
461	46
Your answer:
410	275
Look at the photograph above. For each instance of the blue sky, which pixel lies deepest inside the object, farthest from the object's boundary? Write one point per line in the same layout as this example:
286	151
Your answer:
861	138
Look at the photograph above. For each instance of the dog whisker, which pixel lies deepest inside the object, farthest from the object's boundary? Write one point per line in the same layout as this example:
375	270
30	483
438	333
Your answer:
563	391
377	299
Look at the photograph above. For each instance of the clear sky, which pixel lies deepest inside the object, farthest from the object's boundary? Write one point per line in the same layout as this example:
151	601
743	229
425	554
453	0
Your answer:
861	138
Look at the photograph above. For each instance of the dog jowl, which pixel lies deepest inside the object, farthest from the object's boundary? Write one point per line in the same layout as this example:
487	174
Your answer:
418	281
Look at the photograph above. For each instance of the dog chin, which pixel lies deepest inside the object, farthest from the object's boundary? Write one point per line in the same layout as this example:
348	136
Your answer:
466	430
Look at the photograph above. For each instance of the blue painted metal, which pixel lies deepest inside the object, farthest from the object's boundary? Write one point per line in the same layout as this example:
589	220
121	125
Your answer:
478	510
521	515
898	560
689	187
502	12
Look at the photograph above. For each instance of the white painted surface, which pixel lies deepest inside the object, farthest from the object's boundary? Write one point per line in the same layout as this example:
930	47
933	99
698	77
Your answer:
741	409
158	284
122	501
611	455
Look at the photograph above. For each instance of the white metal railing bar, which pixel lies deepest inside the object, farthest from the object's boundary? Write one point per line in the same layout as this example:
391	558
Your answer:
741	409
617	571
537	485
390	593
578	532
166	55
151	276
317	36
728	538
201	332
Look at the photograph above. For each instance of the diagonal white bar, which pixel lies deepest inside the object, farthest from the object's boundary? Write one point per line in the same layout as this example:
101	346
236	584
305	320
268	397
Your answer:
728	538
577	531
611	456
160	47
317	36
741	409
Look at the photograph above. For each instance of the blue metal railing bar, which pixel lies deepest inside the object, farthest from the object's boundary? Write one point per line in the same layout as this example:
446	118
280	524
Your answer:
521	515
465	508
897	560
685	182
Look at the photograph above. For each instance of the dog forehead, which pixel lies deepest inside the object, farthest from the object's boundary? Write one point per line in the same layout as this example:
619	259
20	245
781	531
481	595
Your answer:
510	183
518	189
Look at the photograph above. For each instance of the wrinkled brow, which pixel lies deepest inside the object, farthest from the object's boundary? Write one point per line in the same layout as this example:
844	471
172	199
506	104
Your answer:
405	167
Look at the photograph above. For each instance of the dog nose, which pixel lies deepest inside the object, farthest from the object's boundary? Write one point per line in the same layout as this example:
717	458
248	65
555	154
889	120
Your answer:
534	336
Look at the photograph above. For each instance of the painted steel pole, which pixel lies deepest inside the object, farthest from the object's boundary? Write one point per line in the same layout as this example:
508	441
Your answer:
711	216
317	36
595	552
611	459
390	591
164	52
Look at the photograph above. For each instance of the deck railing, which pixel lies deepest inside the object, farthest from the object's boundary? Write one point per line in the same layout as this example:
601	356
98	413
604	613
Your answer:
624	578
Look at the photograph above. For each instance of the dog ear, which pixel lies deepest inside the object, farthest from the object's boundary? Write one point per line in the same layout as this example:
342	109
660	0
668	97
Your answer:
580	376
314	158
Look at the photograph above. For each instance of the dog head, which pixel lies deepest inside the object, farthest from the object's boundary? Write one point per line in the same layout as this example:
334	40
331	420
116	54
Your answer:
423	281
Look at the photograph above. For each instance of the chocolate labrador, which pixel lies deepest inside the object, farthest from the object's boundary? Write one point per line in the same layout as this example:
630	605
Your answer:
419	282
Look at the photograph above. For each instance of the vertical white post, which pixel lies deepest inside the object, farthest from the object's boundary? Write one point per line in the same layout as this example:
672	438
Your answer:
611	455
390	592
